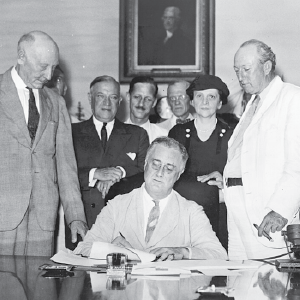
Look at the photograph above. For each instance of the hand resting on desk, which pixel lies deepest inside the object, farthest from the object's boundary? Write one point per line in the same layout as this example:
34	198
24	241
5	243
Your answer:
121	242
170	253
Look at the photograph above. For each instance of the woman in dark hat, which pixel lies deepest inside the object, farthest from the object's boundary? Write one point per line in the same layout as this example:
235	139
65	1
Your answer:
206	139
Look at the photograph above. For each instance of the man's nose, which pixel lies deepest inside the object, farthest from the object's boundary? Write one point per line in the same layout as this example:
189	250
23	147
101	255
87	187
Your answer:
160	171
48	73
141	102
177	101
106	100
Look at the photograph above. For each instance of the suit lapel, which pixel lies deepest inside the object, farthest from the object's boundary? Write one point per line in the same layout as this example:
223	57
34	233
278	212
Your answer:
117	140
45	111
167	221
267	102
136	216
9	100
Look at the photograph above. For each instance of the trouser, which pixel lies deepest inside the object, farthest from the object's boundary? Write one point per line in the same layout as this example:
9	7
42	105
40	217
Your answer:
243	241
27	239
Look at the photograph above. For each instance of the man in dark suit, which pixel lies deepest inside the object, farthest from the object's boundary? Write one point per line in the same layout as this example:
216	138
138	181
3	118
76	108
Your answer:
37	158
106	149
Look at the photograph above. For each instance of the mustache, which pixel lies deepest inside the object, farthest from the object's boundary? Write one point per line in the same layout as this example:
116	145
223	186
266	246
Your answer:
140	107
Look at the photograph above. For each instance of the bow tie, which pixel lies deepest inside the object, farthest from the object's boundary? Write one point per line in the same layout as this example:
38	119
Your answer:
180	121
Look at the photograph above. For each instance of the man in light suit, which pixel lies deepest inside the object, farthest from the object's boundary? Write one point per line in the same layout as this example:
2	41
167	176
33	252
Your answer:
37	158
142	97
179	102
106	149
154	217
262	173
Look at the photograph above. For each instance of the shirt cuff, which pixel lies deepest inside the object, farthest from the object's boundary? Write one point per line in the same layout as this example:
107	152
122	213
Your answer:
123	171
92	181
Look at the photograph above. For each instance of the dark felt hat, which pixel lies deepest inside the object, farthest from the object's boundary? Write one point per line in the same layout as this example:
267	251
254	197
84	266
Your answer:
205	82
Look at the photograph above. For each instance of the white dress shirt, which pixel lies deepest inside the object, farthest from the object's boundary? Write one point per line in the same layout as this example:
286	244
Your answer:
153	130
109	128
149	204
23	93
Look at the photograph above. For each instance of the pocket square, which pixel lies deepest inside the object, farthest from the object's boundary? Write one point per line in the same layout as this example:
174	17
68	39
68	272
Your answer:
131	155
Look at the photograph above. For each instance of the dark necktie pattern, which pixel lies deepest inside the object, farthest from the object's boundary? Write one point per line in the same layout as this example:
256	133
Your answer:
104	136
33	116
152	220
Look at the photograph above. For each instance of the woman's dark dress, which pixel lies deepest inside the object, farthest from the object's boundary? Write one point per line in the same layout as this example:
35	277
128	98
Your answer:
204	158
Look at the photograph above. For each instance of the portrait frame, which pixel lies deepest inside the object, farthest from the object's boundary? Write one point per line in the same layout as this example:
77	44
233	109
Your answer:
132	14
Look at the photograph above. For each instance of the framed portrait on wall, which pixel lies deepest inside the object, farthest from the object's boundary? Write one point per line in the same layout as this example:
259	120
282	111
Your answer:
166	39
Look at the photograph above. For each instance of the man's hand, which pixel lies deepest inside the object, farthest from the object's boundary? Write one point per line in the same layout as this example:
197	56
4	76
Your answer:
78	227
272	221
104	186
170	253
214	178
121	242
107	174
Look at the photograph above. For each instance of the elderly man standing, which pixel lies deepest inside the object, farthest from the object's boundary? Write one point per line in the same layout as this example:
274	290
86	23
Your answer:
179	102
106	149
142	97
154	217
37	158
262	173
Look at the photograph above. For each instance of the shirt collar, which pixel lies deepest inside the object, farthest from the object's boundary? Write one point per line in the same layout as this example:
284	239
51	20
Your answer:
99	124
145	125
148	198
18	81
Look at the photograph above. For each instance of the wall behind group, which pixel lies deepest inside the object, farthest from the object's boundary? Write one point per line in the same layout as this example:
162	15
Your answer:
87	32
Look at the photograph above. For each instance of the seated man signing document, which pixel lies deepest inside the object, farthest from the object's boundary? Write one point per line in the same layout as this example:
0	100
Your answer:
154	217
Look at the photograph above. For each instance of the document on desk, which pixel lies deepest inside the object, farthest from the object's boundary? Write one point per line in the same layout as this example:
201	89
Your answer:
204	266
69	258
100	250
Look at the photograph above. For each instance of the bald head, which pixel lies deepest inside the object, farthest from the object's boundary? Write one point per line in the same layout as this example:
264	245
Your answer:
37	58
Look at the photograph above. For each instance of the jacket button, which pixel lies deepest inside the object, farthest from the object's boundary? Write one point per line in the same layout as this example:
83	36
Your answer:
93	205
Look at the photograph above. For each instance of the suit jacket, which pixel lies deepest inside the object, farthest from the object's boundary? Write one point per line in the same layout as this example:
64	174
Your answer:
39	174
89	153
270	157
183	223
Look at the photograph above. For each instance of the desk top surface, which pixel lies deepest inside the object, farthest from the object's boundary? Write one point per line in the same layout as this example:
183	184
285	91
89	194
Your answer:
20	278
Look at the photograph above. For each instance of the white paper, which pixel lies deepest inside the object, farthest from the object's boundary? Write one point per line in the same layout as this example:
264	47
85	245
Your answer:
159	271
100	250
202	265
69	258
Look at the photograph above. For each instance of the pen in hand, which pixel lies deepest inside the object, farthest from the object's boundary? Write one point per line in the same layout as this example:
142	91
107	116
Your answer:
264	234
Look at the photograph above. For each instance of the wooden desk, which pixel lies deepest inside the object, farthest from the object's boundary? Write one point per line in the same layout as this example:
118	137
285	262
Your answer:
20	278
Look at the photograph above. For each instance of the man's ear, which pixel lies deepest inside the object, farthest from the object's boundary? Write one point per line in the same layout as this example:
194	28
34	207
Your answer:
267	67
21	57
128	97
154	103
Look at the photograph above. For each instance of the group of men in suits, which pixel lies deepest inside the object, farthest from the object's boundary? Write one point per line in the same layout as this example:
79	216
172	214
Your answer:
39	165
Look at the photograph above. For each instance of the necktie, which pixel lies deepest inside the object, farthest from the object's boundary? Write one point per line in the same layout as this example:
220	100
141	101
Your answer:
33	116
152	220
180	121
244	125
104	135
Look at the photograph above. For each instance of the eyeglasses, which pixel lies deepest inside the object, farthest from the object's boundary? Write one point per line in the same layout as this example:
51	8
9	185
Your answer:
179	97
156	165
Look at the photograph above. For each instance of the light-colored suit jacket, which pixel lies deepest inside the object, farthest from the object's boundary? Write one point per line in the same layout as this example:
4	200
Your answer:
183	223
270	157
41	173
